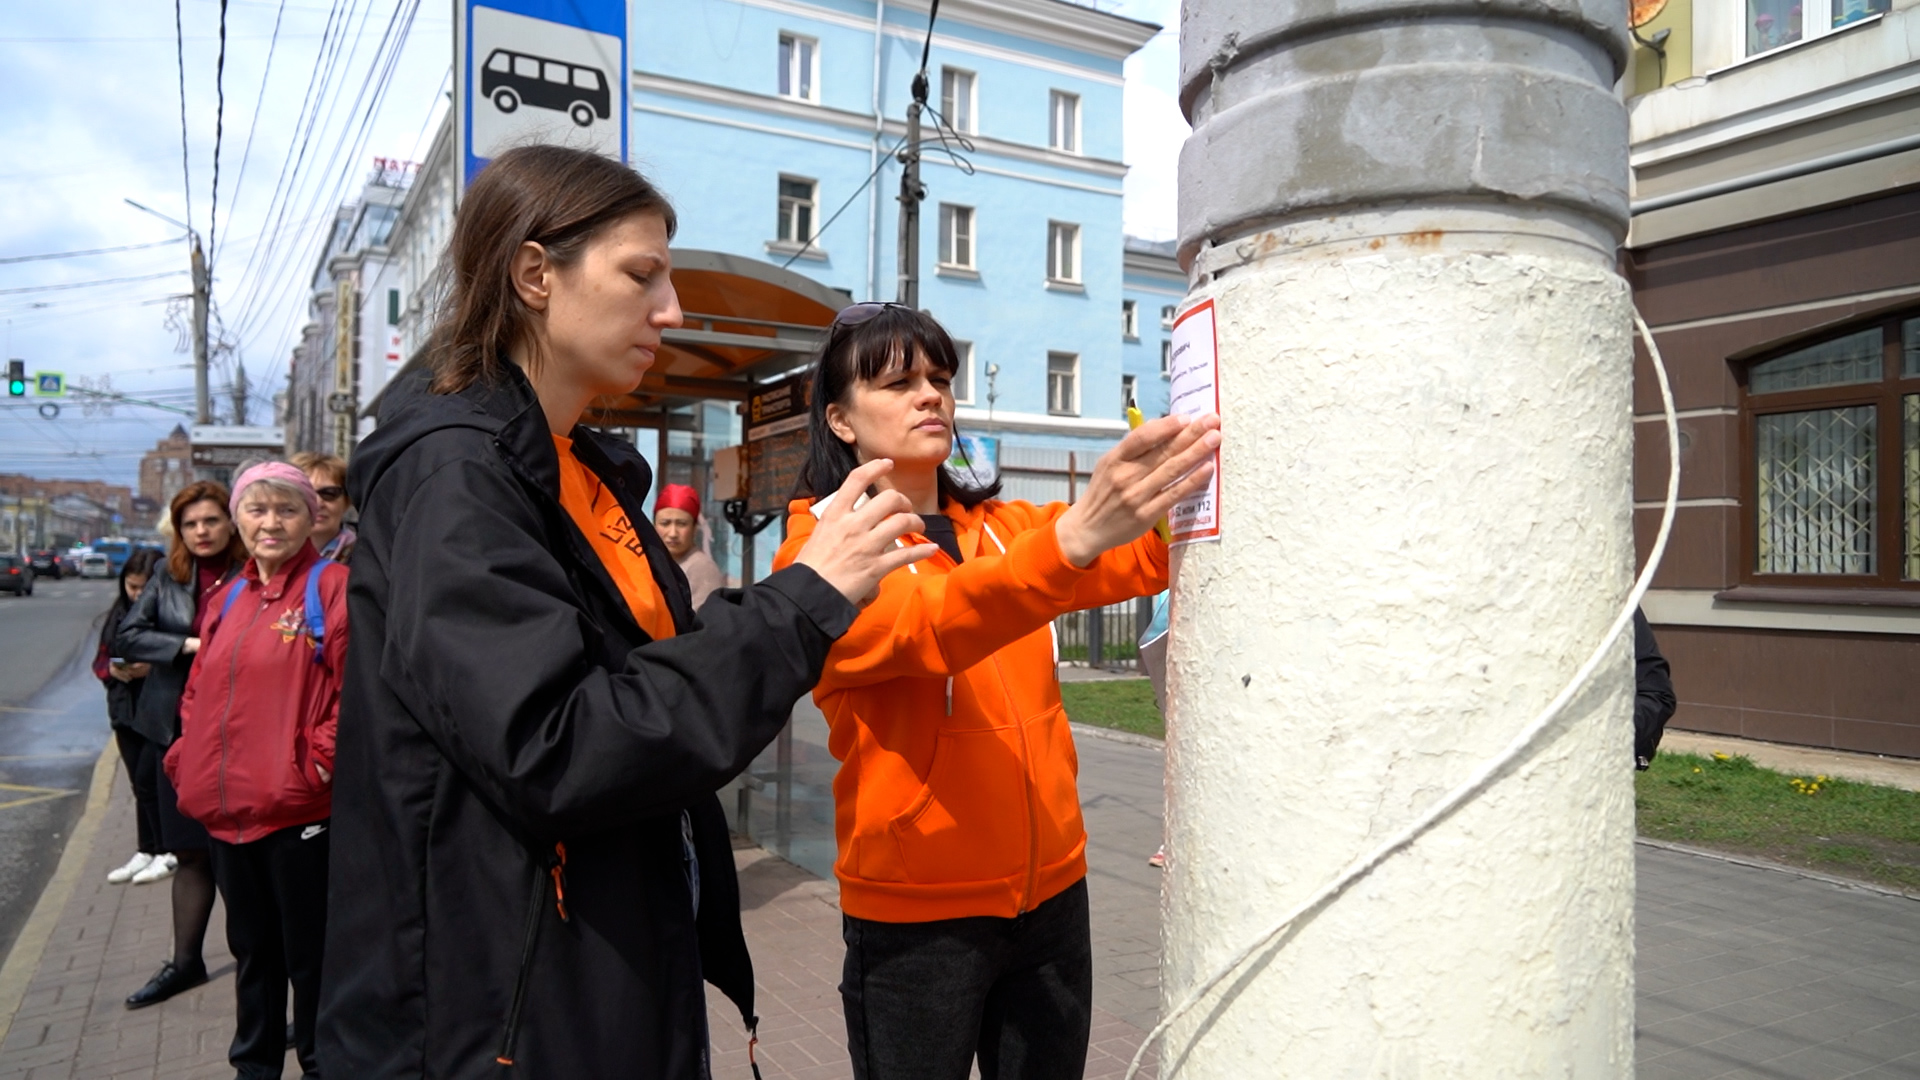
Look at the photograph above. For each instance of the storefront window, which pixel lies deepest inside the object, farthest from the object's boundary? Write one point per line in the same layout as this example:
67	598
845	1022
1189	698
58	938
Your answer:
1816	491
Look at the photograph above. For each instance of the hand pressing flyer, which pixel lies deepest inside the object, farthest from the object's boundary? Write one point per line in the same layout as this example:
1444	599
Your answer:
1194	369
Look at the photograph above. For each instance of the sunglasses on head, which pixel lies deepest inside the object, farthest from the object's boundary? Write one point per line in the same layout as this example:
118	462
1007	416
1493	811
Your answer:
856	314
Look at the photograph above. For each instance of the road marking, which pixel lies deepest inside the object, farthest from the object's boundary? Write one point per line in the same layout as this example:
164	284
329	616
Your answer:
36	712
41	794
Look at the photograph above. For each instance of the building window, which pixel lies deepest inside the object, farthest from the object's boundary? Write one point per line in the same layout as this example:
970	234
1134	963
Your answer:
963	374
1063	128
1063	252
1128	396
956	236
1063	383
1166	359
799	67
1130	319
1833	437
393	307
1166	316
957	99
1769	24
797	199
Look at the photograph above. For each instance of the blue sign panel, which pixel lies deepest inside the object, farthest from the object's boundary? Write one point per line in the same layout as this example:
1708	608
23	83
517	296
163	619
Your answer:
541	71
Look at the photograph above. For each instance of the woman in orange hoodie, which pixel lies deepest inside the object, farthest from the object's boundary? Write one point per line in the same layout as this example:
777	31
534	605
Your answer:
962	855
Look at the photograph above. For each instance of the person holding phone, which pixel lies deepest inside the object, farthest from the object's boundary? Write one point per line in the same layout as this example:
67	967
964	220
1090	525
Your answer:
124	679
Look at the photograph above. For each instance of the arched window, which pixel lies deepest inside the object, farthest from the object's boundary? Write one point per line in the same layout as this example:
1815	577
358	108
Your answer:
1832	451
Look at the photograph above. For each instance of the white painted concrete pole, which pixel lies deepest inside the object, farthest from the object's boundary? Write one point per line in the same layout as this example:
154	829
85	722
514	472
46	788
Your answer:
1406	213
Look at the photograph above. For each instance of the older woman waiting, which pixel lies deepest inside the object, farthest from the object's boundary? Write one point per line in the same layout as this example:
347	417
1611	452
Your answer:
255	757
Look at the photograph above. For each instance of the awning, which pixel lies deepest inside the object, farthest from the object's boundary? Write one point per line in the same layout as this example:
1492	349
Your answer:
746	320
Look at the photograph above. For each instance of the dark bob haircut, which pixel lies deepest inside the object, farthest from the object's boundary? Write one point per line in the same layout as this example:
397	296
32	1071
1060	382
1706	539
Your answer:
861	352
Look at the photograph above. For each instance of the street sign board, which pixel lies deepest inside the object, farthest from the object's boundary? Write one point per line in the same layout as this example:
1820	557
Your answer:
540	71
776	430
50	384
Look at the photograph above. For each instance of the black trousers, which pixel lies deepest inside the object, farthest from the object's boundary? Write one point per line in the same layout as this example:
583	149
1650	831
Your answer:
142	759
922	999
276	894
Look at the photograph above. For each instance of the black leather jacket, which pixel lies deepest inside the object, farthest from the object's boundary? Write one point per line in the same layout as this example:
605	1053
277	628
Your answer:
154	630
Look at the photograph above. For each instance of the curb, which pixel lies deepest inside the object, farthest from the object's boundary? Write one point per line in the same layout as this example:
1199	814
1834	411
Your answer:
24	960
1095	732
1783	868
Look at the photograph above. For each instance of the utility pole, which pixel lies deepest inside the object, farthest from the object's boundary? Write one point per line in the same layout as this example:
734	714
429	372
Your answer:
1406	215
912	191
239	393
202	400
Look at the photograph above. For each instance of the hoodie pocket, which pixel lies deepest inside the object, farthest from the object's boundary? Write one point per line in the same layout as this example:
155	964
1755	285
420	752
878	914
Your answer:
970	821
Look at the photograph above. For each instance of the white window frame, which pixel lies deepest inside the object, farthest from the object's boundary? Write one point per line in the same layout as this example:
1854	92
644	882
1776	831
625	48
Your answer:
1130	319
1063	137
951	215
797	65
1129	392
963	373
1166	358
1167	313
1073	386
1057	231
971	105
789	233
1811	12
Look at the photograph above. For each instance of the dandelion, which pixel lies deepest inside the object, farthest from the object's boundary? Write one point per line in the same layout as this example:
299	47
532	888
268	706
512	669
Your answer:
1718	756
1696	768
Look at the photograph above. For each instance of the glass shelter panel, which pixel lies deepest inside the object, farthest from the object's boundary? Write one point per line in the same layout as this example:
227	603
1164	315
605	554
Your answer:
1816	491
1855	358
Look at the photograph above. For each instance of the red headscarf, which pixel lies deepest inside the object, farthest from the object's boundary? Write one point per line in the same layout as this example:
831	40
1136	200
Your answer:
677	497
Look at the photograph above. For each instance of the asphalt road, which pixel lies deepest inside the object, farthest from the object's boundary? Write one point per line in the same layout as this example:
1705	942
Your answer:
53	725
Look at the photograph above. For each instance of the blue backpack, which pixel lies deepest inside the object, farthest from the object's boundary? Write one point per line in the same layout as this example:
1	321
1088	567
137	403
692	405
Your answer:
316	613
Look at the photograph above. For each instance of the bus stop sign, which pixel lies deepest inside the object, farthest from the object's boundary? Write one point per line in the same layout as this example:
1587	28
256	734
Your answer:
540	71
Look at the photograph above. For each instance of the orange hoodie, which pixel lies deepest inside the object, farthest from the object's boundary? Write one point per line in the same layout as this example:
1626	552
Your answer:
956	794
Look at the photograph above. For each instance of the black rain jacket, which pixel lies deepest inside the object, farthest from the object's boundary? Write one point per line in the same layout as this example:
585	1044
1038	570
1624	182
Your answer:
1654	702
521	773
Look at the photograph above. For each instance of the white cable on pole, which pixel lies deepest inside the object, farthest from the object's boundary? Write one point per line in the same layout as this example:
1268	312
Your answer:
1477	782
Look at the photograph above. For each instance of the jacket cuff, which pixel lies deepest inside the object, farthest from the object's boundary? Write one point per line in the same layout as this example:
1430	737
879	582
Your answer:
819	601
1042	565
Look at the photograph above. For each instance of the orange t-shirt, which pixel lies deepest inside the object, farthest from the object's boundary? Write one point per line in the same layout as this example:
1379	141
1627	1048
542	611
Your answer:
599	515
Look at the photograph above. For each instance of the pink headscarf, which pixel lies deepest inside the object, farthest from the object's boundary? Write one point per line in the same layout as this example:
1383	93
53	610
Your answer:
282	472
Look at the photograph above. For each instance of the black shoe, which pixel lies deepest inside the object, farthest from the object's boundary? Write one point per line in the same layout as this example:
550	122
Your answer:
168	981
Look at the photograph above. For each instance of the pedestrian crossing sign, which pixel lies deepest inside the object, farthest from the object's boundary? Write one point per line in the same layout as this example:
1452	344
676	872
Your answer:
50	383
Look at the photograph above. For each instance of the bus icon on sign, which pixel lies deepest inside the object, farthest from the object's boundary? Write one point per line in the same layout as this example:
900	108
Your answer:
510	79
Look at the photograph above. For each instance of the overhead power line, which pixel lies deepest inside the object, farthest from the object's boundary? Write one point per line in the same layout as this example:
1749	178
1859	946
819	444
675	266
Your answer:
180	58
253	125
11	259
219	130
89	284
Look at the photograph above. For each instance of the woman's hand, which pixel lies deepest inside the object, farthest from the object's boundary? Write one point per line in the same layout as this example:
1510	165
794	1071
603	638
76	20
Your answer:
854	548
190	646
139	670
121	672
1134	484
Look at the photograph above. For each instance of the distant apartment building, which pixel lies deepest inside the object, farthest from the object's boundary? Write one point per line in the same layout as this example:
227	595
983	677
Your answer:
37	513
1775	250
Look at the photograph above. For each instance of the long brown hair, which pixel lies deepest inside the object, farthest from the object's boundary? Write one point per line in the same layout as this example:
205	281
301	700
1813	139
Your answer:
554	196
179	559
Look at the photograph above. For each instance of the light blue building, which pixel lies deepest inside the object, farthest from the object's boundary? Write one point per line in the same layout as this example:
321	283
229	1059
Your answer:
763	119
1152	287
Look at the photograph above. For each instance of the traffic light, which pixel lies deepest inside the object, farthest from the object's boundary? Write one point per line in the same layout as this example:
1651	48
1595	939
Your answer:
16	378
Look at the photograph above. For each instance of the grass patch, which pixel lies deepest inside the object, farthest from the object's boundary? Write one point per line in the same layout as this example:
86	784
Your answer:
1121	704
1863	831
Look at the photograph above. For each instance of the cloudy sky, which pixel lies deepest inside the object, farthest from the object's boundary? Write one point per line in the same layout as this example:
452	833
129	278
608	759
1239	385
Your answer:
90	97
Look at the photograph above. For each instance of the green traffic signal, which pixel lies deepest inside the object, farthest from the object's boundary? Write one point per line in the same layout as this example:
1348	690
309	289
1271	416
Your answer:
16	378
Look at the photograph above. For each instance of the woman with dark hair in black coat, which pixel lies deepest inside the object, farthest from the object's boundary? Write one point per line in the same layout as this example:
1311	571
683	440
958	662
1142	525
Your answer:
123	680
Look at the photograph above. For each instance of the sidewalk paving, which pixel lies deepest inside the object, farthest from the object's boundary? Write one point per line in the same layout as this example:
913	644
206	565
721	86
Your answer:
1743	972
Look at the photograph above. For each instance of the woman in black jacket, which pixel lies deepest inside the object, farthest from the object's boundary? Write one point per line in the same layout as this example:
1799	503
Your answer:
531	874
123	680
163	631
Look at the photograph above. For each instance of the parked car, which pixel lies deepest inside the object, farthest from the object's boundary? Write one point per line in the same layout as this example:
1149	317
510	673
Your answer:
46	563
95	565
16	575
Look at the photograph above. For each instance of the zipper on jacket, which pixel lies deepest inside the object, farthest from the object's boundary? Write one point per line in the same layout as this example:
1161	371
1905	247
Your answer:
233	672
512	1033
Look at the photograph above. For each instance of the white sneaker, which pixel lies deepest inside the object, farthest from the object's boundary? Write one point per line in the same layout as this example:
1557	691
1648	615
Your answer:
121	875
160	869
